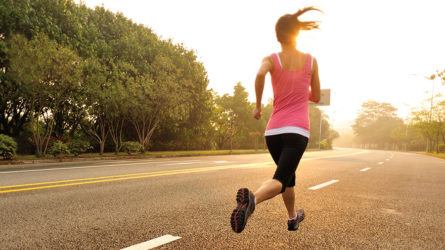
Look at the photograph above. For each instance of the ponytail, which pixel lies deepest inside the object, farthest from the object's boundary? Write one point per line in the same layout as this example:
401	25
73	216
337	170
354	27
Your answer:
288	26
307	25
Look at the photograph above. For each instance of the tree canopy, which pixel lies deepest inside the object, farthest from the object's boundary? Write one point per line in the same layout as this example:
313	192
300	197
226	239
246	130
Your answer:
375	123
69	72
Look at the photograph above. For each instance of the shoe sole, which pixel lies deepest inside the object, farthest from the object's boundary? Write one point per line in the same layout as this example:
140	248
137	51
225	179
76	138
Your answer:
240	214
302	215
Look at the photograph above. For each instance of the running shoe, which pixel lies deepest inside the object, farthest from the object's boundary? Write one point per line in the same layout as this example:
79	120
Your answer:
292	225
245	206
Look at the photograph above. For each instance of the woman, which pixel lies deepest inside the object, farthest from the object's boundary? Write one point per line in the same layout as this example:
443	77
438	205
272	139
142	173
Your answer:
295	80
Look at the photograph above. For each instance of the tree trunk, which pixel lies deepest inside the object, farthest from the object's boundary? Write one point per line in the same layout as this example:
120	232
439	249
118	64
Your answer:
36	138
146	129
116	133
48	138
102	146
99	133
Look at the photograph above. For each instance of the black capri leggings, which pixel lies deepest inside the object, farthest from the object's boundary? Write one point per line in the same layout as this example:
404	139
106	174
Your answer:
286	151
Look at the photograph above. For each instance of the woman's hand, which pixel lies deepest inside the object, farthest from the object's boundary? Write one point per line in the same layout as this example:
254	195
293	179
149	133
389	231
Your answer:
257	113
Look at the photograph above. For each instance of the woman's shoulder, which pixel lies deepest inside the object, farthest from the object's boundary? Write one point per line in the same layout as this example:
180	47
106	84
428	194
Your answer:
304	54
269	59
309	54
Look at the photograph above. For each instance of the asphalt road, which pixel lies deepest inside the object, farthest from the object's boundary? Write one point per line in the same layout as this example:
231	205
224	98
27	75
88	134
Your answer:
381	199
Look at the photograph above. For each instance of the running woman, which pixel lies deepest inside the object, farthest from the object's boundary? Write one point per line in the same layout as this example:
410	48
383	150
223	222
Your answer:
295	80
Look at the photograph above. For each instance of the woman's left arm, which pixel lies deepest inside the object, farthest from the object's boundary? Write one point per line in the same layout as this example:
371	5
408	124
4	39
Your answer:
314	94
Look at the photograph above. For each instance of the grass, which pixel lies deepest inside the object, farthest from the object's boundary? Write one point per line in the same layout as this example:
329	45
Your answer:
149	154
439	155
207	152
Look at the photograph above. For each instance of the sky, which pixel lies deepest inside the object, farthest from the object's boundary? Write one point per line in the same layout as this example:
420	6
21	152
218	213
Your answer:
366	50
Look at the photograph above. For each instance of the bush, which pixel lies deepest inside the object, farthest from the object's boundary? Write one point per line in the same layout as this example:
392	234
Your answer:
442	148
325	145
8	147
58	148
131	146
78	146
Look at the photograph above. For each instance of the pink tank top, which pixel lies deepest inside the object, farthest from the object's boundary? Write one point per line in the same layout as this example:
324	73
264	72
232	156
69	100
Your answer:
291	94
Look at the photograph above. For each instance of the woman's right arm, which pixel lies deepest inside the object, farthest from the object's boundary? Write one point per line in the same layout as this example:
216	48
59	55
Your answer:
314	94
266	66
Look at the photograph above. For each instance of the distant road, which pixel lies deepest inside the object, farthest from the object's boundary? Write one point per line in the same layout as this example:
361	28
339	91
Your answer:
353	199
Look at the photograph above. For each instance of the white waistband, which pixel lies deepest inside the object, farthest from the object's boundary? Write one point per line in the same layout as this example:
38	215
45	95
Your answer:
288	129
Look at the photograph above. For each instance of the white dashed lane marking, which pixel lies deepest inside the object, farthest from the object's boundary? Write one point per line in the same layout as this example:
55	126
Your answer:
380	163
153	243
323	185
365	169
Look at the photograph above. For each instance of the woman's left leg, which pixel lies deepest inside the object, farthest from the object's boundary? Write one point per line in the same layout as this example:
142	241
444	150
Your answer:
289	201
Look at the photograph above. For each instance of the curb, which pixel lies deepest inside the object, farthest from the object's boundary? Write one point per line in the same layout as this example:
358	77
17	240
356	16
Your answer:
31	162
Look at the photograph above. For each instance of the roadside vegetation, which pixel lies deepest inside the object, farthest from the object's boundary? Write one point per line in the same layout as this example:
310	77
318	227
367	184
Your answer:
125	155
378	127
75	80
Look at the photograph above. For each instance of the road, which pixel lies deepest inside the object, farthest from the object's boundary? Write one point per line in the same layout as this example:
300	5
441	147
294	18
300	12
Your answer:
376	199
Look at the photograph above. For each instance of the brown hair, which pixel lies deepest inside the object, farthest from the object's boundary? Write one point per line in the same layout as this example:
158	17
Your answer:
288	26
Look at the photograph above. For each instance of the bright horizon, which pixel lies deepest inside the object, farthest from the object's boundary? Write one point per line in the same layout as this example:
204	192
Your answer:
377	50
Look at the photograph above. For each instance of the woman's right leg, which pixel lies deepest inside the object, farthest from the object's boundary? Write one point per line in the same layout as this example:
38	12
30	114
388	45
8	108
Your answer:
268	190
246	200
286	151
271	187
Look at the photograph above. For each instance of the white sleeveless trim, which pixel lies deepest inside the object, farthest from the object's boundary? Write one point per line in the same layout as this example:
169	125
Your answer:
279	60
312	62
288	130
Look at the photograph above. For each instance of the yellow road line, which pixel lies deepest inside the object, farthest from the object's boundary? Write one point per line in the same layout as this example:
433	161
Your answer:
87	182
82	181
85	179
123	177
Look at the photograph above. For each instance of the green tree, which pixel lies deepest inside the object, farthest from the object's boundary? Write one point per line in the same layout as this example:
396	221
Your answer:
117	101
375	123
222	121
95	122
233	120
51	73
151	101
327	134
116	56
188	126
441	121
242	114
430	124
400	136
